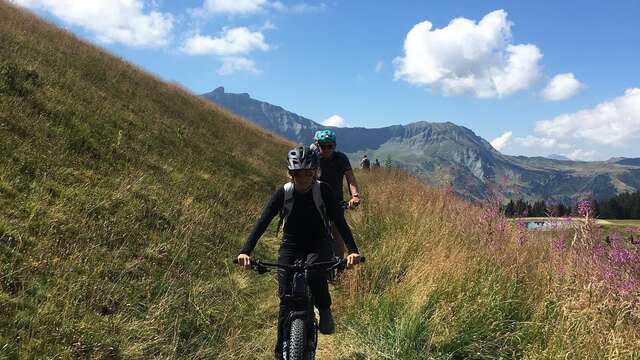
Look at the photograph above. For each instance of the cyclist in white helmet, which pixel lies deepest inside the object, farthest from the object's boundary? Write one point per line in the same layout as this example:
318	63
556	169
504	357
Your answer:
306	206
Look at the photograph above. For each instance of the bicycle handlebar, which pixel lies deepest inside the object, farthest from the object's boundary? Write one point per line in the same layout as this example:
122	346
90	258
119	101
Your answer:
262	267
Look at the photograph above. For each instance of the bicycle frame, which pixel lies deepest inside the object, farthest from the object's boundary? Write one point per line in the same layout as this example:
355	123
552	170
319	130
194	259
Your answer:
300	300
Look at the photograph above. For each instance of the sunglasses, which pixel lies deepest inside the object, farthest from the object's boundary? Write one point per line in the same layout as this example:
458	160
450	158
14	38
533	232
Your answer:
303	173
327	146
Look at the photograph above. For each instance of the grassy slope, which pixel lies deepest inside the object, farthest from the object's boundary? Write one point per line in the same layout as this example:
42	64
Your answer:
121	199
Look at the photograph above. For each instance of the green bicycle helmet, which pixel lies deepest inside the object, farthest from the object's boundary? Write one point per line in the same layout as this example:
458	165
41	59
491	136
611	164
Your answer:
325	136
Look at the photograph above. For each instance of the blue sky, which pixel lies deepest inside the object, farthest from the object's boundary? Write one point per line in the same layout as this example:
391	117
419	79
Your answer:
534	78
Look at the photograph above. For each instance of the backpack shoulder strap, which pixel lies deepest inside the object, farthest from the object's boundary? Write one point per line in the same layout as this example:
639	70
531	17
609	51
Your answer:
287	205
320	206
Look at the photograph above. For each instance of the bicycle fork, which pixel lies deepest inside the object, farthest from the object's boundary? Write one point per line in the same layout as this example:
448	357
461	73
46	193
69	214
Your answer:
301	302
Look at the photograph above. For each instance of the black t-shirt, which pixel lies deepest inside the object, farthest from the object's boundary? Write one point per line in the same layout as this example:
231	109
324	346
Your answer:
332	171
304	222
304	229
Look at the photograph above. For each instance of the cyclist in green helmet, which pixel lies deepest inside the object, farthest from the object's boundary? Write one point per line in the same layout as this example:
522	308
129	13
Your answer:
334	167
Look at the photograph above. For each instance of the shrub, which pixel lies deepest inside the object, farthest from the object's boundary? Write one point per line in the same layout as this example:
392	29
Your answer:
17	82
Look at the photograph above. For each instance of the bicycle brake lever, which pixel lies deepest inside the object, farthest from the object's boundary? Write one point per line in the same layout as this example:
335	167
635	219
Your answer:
259	268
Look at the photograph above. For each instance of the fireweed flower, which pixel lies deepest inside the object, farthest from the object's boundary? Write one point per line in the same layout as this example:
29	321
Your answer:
598	251
616	238
523	235
559	244
620	257
628	286
584	207
449	190
609	275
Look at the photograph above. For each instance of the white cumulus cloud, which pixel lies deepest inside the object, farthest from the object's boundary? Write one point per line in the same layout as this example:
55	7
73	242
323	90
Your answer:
613	122
231	46
501	141
561	87
112	21
247	7
335	120
235	6
233	41
583	155
231	65
540	142
466	57
305	8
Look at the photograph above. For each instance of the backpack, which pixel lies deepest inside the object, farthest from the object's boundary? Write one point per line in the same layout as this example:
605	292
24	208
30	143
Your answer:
287	207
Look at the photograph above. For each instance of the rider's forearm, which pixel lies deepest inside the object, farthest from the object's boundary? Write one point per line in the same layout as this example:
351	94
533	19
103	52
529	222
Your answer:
336	214
347	235
255	235
353	184
269	212
354	189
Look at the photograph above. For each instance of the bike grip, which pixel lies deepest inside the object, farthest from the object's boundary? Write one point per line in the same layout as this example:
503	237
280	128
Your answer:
235	261
362	259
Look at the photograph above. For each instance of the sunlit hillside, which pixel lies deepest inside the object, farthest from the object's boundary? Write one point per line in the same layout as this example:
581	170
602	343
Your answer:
121	200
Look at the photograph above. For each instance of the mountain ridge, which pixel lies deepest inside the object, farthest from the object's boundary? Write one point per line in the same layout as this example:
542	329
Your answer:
449	154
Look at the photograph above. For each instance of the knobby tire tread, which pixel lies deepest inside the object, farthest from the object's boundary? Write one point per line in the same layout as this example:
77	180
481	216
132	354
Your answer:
297	339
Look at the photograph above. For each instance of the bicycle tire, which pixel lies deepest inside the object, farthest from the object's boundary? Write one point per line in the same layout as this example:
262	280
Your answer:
297	340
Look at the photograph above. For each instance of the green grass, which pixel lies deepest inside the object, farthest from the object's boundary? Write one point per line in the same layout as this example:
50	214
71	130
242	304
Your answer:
618	222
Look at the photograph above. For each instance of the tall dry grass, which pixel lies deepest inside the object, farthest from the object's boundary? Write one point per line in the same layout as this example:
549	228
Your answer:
446	279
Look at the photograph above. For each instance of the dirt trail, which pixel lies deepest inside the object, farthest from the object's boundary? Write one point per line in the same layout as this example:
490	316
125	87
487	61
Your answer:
326	347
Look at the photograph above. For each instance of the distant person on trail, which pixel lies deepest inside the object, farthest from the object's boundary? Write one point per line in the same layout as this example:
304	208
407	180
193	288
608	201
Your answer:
305	206
365	164
334	166
376	165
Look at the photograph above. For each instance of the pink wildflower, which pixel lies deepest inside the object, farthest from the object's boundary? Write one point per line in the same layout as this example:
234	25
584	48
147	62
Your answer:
559	244
609	275
584	207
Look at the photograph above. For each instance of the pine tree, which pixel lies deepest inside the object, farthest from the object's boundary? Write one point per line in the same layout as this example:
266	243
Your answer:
388	164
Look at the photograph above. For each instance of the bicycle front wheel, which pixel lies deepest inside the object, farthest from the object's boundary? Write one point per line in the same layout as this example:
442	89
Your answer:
297	340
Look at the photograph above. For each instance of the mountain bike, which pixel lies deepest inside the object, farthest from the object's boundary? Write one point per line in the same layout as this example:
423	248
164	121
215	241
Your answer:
301	326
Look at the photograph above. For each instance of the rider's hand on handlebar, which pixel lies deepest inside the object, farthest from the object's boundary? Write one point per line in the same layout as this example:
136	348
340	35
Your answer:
352	259
354	202
244	260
